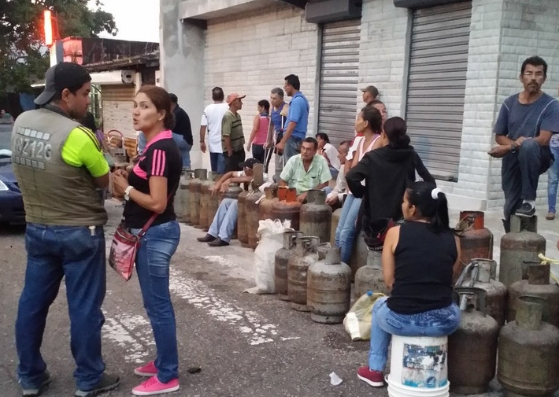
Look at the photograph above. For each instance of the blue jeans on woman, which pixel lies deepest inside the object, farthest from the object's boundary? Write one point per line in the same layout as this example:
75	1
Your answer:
439	322
553	175
345	232
76	254
152	264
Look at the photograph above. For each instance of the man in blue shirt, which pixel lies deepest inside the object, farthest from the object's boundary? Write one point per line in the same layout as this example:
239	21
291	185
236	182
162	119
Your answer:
523	130
297	119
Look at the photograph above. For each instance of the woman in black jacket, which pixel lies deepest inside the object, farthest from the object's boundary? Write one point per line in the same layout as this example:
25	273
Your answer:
387	172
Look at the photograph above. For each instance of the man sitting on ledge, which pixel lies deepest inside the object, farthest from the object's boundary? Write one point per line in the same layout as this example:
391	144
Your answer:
306	171
225	220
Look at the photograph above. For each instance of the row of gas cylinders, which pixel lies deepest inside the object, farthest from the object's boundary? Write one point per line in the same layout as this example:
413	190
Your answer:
196	205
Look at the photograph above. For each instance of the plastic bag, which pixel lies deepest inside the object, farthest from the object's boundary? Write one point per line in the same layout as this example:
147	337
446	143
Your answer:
271	240
357	321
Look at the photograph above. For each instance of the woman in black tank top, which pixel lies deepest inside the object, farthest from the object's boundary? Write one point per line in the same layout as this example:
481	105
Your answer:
418	261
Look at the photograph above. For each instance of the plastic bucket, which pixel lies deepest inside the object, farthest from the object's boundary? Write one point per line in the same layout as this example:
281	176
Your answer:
396	389
419	364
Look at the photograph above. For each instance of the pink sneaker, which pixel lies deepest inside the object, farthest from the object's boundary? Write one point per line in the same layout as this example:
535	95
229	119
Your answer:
153	386
147	370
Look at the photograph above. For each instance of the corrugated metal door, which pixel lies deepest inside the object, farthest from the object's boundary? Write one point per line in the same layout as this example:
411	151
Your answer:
437	84
339	77
117	108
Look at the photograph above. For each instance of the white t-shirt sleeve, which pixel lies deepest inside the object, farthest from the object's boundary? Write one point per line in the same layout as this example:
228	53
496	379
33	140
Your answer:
354	147
204	121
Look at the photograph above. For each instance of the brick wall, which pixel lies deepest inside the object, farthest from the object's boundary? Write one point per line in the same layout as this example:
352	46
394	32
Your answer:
382	53
253	52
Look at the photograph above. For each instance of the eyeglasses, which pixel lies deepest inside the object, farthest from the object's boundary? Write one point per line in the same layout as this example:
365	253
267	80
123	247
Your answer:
532	74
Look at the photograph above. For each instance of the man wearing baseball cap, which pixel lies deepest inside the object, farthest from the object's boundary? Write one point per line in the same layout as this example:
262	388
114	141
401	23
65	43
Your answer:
59	164
370	93
225	220
232	136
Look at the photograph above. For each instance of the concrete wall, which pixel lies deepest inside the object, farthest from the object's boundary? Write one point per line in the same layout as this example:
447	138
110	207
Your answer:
253	52
383	52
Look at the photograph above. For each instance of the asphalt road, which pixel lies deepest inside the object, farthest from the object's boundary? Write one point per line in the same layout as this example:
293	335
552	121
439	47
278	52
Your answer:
5	134
246	345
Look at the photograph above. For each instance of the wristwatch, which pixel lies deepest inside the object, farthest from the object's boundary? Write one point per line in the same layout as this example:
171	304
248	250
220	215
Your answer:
127	193
513	148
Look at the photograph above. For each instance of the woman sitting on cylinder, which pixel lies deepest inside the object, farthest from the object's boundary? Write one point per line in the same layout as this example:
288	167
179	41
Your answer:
418	261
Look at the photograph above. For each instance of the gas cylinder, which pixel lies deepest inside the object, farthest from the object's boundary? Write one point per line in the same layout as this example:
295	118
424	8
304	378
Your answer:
205	192
476	241
369	277
195	188
242	232
536	285
281	261
480	273
521	244
233	191
265	207
359	254
297	270
213	203
287	209
316	216
183	209
252	207
335	220
471	369
528	363
329	289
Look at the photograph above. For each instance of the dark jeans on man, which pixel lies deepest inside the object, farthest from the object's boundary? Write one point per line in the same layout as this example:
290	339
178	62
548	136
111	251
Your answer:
258	152
232	162
520	173
53	253
217	161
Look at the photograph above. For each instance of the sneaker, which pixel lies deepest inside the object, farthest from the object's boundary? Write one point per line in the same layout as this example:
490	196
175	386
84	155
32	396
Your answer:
208	238
218	243
550	216
373	378
30	390
147	370
153	386
107	382
526	209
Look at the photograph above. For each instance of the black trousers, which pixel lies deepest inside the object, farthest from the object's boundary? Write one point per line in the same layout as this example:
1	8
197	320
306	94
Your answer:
232	162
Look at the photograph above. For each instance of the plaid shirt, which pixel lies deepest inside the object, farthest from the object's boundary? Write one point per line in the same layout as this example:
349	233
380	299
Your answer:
296	177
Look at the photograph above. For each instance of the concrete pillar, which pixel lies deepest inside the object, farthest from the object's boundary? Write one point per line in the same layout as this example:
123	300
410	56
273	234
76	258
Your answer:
182	68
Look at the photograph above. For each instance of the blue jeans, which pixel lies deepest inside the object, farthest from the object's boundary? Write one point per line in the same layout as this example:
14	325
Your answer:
553	174
334	172
217	161
152	264
225	220
386	323
54	252
345	232
184	148
141	142
292	147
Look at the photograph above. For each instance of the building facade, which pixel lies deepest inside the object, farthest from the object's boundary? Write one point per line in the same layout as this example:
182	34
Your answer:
444	65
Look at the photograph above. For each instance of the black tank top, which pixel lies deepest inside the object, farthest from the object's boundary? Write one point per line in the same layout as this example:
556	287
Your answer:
423	274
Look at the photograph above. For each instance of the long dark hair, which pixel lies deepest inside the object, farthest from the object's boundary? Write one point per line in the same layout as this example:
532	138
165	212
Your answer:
162	101
373	117
396	130
421	195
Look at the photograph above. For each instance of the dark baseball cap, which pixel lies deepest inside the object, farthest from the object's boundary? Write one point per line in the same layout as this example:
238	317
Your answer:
371	89
249	163
61	76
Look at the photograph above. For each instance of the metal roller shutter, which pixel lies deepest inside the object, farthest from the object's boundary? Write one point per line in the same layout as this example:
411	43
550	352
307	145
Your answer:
118	105
339	77
437	84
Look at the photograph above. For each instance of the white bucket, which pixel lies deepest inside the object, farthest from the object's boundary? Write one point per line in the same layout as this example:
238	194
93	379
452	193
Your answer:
418	366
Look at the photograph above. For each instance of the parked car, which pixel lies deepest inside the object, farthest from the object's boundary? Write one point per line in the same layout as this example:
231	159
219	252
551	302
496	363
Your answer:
11	201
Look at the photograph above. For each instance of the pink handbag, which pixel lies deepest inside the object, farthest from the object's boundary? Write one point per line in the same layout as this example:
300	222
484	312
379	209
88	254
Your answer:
124	247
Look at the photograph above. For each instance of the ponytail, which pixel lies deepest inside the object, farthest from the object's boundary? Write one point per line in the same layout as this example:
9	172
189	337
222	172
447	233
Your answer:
431	203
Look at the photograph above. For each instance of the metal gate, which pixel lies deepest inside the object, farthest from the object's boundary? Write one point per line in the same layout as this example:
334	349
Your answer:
339	77
118	105
437	85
